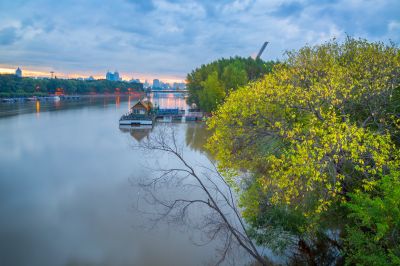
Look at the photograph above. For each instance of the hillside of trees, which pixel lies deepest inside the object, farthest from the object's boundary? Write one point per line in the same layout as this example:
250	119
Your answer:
211	83
319	140
13	86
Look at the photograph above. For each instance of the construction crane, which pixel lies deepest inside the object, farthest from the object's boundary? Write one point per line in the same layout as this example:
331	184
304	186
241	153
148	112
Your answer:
261	50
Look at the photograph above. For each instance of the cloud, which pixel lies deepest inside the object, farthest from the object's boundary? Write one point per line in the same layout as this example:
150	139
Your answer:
142	5
289	9
171	37
8	35
394	26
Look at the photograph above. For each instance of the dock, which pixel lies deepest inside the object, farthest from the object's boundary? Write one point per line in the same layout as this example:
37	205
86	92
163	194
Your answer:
131	119
169	115
41	99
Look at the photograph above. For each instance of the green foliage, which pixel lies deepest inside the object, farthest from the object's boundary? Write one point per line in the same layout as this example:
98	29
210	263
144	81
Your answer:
275	227
209	84
212	93
323	124
373	237
234	75
13	86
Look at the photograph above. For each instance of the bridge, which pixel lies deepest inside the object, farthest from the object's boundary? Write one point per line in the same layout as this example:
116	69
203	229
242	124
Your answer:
170	91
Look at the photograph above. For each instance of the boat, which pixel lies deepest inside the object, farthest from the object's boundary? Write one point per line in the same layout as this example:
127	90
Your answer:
139	115
131	119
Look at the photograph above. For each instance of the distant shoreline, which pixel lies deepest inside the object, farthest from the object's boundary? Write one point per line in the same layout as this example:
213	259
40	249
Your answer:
75	97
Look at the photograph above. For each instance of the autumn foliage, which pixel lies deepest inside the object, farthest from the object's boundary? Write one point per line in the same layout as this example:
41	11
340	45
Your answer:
321	128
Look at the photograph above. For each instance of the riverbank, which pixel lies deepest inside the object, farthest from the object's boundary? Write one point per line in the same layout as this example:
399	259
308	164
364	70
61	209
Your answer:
13	86
64	97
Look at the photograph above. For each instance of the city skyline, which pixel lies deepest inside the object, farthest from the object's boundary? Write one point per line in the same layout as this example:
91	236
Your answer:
168	39
123	76
111	76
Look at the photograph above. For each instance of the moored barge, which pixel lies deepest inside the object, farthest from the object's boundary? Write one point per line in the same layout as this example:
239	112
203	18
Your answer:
139	115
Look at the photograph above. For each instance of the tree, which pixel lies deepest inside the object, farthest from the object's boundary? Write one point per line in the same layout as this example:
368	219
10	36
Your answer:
11	85
212	94
231	73
373	237
234	76
323	124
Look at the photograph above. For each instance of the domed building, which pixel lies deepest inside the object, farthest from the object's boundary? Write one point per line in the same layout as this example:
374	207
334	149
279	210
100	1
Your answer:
18	72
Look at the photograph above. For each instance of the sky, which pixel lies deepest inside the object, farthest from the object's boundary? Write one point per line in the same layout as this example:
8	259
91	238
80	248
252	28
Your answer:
169	38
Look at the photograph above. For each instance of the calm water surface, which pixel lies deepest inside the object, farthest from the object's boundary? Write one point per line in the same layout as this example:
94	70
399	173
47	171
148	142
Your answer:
68	193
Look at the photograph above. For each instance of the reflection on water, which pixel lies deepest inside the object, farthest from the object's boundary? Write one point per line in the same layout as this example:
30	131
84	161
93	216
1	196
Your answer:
138	133
37	108
57	104
196	136
118	101
66	193
7	109
169	100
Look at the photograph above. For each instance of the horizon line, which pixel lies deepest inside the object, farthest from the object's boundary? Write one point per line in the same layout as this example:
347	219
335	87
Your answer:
29	72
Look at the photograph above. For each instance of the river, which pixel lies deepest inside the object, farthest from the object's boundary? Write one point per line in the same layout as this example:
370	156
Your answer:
69	191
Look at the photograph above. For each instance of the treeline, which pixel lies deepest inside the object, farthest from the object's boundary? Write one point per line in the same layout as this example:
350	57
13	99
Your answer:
211	83
13	86
319	138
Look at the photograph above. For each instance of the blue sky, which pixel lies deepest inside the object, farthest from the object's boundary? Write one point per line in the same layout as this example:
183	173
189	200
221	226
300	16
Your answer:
170	38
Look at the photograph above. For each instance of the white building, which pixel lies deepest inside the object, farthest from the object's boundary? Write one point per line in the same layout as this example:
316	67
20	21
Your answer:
18	72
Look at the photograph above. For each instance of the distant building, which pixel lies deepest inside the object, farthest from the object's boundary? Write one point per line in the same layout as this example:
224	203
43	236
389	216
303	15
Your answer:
146	84
90	78
18	72
156	84
179	86
113	76
165	86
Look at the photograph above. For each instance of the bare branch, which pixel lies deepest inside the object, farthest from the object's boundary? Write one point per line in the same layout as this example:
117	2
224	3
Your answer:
217	197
